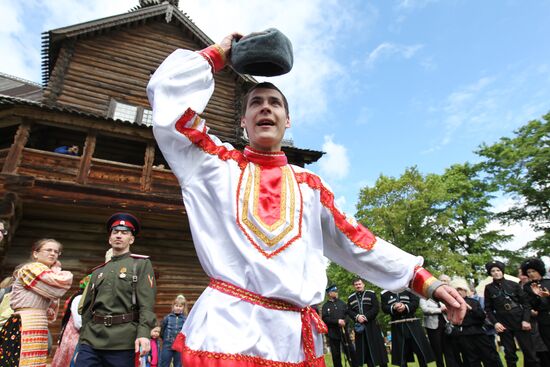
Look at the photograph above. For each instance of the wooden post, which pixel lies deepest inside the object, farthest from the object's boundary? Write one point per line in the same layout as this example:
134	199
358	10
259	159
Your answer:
16	151
86	159
146	174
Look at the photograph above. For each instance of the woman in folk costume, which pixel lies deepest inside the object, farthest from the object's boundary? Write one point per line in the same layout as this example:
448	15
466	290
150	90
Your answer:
35	300
70	328
261	227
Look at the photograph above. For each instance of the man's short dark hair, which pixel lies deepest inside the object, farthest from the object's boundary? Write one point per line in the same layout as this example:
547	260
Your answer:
262	85
355	280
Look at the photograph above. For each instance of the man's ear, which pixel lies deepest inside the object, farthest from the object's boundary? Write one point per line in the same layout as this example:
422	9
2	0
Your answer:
287	125
243	122
132	240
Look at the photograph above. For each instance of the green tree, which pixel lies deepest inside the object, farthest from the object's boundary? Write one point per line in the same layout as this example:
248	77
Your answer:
520	168
404	211
464	215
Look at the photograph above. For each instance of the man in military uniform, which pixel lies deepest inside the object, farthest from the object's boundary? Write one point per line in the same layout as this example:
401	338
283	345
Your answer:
334	315
507	307
117	312
369	344
406	330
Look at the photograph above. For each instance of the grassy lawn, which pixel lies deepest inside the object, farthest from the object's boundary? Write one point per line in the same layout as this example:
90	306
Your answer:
328	360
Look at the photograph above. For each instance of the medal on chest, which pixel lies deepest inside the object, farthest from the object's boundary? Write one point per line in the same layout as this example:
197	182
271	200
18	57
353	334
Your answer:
122	273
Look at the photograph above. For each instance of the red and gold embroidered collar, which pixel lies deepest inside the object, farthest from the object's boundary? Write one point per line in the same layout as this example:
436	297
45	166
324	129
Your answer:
277	159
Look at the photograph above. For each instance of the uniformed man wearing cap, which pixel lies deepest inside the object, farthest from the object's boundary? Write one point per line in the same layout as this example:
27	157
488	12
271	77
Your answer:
117	313
334	315
507	307
538	291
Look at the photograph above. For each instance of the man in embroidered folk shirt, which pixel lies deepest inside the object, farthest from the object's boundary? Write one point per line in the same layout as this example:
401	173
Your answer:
261	227
363	308
117	311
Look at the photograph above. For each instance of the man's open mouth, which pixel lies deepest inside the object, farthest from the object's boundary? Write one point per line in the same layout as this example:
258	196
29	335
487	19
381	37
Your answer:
265	123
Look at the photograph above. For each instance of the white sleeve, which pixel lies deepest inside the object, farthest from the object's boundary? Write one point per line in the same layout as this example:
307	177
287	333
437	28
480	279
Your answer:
178	91
347	243
77	318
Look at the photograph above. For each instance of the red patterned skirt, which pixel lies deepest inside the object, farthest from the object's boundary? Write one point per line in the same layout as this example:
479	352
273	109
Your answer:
25	339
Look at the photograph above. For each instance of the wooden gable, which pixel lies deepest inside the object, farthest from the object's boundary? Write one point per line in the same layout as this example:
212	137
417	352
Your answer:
94	70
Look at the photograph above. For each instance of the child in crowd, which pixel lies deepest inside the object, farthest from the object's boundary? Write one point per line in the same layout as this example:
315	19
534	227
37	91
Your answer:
171	326
153	357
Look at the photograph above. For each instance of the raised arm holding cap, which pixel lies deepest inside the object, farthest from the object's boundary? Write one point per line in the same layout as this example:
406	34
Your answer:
261	227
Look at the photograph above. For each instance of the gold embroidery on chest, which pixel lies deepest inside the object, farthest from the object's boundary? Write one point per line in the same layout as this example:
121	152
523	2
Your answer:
262	230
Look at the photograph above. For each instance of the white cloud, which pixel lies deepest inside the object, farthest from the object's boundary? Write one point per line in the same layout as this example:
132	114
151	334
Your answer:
501	101
313	30
386	50
334	165
310	24
414	4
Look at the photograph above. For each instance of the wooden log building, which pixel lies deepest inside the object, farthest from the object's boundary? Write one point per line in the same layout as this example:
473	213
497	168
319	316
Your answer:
93	96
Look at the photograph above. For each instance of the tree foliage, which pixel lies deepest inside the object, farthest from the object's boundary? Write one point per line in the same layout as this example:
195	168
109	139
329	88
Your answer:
520	167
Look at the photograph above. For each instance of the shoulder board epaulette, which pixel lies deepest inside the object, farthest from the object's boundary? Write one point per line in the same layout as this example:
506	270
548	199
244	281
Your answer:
99	266
136	256
384	291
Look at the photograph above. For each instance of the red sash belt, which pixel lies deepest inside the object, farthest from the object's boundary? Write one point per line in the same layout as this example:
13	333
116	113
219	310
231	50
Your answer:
309	316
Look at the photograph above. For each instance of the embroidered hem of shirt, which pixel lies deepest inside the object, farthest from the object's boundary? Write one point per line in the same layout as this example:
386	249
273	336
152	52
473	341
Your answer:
199	358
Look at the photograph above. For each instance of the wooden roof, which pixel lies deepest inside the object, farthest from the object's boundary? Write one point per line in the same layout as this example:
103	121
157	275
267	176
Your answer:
51	40
17	87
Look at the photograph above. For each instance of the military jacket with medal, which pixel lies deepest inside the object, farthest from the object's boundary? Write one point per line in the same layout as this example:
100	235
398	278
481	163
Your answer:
110	292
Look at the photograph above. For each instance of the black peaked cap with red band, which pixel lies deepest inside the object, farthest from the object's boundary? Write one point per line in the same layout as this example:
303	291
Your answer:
124	221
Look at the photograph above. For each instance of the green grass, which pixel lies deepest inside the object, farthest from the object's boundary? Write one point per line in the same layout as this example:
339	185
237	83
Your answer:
328	360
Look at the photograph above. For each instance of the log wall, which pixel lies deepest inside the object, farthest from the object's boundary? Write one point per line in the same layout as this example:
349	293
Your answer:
166	239
118	65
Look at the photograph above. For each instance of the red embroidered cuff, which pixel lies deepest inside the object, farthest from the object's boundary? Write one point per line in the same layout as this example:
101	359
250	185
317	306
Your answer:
215	56
423	282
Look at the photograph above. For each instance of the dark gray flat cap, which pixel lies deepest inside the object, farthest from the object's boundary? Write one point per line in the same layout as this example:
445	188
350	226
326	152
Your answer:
267	53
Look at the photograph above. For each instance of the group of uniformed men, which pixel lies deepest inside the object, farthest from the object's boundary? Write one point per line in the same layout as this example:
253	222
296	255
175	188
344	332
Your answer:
122	293
510	309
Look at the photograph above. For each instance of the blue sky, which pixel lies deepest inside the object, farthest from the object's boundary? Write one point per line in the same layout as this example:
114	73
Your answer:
378	85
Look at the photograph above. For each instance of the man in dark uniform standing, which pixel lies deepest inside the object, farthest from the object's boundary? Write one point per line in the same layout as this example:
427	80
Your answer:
117	311
334	315
507	307
369	344
406	331
471	340
538	293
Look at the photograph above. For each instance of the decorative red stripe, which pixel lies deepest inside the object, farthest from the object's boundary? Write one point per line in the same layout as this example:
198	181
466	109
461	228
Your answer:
308	315
213	54
421	280
359	235
199	358
251	297
205	142
36	279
